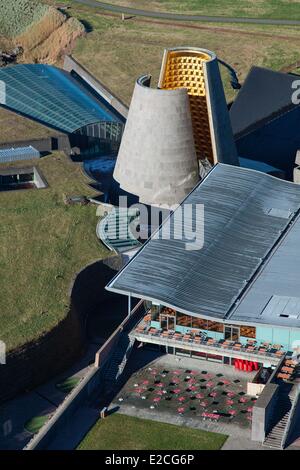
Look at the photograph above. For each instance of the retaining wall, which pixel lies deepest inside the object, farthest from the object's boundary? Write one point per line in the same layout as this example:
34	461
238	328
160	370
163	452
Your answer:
71	65
38	361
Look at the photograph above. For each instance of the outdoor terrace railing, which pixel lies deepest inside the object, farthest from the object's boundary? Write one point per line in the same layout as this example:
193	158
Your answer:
197	341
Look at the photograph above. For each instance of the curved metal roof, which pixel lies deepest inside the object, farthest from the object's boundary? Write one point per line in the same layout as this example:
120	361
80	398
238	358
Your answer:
51	96
245	215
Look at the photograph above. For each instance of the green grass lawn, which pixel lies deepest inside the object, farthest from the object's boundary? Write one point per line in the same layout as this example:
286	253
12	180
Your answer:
44	243
282	9
121	432
14	128
118	52
18	15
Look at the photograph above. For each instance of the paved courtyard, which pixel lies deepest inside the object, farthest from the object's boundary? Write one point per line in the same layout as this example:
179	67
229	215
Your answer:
189	391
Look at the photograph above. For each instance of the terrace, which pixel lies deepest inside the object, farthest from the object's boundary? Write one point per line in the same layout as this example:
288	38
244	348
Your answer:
203	394
199	342
289	371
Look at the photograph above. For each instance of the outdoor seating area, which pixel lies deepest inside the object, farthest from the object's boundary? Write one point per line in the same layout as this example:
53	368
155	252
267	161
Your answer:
289	371
201	394
198	337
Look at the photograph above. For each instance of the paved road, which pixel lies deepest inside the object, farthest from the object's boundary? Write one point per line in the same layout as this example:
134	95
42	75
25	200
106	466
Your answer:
178	17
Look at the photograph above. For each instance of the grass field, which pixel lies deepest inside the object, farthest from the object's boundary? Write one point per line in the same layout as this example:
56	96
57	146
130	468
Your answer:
18	15
280	9
118	52
44	243
14	128
120	432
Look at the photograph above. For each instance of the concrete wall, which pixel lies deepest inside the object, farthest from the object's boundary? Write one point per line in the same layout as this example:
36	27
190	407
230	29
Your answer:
263	411
224	147
297	175
65	411
157	159
92	382
70	64
294	428
38	179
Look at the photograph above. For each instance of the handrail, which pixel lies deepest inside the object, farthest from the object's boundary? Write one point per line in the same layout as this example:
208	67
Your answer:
211	346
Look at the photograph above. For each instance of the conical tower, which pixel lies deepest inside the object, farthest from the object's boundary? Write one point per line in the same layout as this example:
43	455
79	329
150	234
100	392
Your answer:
172	127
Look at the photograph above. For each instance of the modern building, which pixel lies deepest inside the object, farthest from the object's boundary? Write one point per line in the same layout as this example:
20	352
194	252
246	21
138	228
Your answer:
265	120
237	297
172	129
59	100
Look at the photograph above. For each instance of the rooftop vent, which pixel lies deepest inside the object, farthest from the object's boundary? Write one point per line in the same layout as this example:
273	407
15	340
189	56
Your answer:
283	307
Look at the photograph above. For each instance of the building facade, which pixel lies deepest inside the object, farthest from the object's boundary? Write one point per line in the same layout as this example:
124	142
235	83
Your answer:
235	296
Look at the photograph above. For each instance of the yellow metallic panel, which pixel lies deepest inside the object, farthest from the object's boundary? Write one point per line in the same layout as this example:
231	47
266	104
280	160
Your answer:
184	69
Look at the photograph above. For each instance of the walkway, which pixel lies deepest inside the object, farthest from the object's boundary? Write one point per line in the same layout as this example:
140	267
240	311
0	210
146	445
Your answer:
179	17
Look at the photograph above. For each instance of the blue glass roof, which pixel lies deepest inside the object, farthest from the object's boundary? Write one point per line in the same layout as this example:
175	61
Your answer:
52	97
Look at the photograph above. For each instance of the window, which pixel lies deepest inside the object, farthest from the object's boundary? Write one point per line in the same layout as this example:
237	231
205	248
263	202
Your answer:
199	323
232	333
183	320
153	309
215	326
248	331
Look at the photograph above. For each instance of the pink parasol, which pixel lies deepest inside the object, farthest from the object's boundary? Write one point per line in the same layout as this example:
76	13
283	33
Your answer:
229	402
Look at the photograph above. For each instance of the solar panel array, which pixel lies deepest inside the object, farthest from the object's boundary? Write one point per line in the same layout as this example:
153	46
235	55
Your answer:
52	97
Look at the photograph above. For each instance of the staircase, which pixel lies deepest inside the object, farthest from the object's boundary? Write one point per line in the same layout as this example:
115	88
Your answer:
275	439
119	359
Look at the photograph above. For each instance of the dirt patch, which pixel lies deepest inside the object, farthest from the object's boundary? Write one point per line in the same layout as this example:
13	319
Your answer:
59	42
48	39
